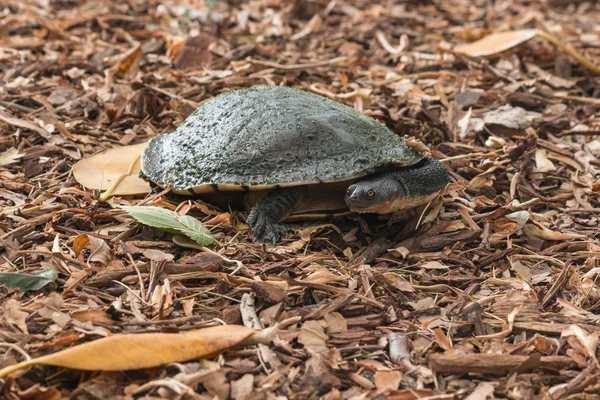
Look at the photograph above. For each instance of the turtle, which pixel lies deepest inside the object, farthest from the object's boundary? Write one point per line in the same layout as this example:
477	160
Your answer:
283	150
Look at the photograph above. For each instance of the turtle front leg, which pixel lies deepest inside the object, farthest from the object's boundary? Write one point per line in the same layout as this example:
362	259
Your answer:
265	216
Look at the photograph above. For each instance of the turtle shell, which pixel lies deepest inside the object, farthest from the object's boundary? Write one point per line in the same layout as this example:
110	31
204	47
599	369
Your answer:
271	136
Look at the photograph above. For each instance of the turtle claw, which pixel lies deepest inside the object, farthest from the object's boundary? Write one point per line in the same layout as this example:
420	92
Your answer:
265	229
269	231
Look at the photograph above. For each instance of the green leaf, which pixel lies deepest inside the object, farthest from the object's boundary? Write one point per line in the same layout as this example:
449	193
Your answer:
170	221
27	282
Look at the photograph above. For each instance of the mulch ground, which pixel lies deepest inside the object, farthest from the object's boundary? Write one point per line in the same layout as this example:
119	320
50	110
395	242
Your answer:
490	292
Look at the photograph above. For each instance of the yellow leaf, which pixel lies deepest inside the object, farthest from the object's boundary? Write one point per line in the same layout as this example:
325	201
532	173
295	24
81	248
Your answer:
496	43
79	243
100	252
145	350
100	171
130	58
174	48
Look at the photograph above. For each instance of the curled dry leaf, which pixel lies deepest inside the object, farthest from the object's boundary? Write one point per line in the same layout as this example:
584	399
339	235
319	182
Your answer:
13	315
99	250
101	170
585	343
417	145
145	350
535	229
220	219
306	233
542	163
520	217
399	252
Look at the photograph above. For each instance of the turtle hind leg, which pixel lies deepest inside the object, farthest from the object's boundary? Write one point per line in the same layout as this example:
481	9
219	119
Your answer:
265	215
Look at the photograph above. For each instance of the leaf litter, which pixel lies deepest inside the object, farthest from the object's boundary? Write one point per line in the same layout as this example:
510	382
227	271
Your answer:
489	292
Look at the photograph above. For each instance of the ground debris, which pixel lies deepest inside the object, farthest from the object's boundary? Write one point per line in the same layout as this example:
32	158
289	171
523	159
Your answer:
488	292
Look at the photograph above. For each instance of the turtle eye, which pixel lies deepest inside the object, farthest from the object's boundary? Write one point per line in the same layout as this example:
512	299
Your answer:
349	191
370	193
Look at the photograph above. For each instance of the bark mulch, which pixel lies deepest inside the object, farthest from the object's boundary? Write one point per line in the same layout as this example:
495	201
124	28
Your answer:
489	292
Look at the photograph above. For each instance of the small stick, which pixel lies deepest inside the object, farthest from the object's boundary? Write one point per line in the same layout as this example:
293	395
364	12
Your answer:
399	351
493	363
387	46
570	51
109	192
294	67
491	154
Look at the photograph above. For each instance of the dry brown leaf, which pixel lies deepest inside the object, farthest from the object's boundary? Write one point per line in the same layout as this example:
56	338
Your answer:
174	48
539	231
584	342
9	156
193	52
423	304
335	323
496	43
482	392
306	233
145	350
99	250
130	61
157	255
217	385
220	219
80	242
542	163
522	271
398	282
399	252
323	276
96	315
100	171
50	309
313	337
13	315
442	340
188	307
387	380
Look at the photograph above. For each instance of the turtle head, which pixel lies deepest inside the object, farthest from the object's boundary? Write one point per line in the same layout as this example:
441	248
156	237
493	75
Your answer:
400	189
380	194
